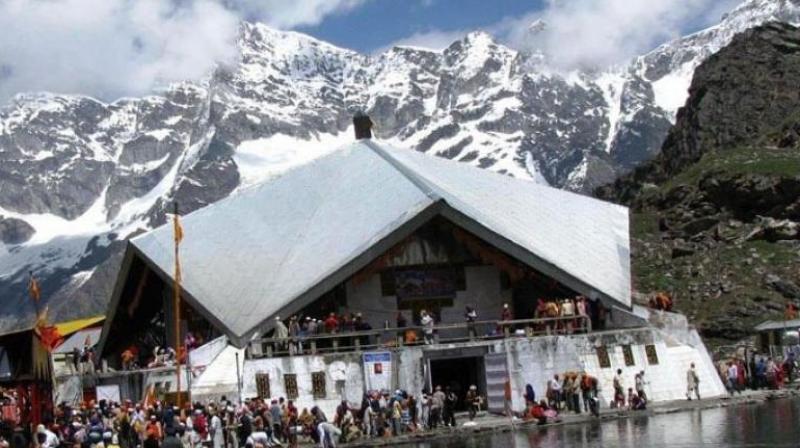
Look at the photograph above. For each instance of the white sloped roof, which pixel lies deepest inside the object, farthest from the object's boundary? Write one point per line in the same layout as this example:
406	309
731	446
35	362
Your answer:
276	246
778	325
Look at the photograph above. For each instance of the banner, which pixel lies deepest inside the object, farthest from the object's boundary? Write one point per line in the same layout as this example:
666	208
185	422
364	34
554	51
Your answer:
424	283
378	371
109	392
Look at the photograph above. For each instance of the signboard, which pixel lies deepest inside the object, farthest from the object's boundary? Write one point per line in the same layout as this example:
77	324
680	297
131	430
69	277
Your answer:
378	370
109	392
425	283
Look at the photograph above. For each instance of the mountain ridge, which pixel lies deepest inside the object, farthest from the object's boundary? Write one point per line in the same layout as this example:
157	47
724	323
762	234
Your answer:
717	213
80	175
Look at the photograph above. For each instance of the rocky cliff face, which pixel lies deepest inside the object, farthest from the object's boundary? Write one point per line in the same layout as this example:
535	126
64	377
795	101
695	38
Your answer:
78	175
717	213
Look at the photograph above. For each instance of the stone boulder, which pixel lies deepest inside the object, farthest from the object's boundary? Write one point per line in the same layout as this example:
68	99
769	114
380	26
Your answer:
15	231
786	288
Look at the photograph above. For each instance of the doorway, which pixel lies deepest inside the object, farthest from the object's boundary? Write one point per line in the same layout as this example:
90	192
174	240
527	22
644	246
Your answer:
458	374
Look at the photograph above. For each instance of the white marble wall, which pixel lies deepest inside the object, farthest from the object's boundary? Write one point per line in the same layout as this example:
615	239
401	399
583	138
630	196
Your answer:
530	361
409	370
345	369
535	361
664	381
344	379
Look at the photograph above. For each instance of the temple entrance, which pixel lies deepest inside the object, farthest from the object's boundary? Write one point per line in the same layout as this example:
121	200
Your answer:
458	371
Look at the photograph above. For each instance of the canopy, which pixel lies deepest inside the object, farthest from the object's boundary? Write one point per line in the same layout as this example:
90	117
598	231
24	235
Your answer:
67	328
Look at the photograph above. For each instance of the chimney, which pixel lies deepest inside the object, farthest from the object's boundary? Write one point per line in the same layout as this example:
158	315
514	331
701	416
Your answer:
363	125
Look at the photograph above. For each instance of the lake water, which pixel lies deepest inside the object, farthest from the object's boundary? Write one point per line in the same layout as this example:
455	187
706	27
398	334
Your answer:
769	424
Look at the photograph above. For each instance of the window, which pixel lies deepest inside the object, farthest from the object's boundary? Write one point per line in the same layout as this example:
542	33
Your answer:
387	283
505	281
461	278
627	353
318	384
340	387
262	385
652	355
290	385
602	357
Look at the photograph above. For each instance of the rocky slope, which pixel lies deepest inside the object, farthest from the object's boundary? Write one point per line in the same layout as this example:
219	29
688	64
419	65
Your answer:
79	175
717	214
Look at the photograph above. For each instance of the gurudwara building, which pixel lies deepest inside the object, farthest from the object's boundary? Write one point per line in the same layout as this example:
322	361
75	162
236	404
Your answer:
377	235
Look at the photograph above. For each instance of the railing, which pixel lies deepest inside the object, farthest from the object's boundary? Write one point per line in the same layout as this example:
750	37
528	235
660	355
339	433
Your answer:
415	336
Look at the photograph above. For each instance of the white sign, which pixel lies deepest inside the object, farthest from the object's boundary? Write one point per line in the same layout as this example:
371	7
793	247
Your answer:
109	392
378	370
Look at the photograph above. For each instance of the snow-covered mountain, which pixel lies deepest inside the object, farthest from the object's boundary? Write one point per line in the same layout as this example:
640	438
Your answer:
78	175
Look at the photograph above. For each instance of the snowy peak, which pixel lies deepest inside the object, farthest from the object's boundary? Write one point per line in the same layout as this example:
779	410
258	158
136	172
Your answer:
477	52
670	67
78	175
277	46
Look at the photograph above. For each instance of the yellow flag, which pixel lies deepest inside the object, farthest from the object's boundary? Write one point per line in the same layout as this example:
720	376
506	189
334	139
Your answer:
178	229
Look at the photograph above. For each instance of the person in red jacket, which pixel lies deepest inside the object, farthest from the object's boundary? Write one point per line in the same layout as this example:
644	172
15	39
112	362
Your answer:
331	323
536	412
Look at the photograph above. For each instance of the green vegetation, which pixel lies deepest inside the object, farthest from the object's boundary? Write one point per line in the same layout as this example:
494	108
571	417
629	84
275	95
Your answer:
643	223
765	160
719	281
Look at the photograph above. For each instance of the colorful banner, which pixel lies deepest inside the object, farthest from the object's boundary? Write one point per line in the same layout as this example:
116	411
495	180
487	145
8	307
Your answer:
378	371
425	283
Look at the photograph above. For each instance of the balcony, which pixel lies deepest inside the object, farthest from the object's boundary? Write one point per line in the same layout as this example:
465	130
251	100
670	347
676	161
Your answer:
397	338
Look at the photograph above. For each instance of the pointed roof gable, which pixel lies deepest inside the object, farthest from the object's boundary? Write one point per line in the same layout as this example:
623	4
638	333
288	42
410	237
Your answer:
275	247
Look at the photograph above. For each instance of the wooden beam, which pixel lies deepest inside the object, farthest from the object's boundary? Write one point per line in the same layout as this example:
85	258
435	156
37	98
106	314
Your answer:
137	296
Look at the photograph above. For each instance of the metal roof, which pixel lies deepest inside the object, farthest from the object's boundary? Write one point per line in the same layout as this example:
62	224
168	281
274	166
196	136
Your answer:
778	325
275	247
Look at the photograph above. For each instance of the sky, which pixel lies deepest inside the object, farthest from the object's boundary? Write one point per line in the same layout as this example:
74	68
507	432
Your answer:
379	24
376	25
114	48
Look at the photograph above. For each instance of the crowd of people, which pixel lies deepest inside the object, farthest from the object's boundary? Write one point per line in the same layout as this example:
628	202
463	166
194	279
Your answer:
757	372
263	423
661	301
256	423
301	334
574	392
559	316
579	393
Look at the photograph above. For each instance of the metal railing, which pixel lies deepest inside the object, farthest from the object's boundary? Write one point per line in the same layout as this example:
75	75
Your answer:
388	338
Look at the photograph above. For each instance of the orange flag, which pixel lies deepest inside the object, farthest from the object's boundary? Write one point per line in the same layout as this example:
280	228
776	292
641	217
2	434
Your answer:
50	337
178	229
33	289
149	396
790	313
47	334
